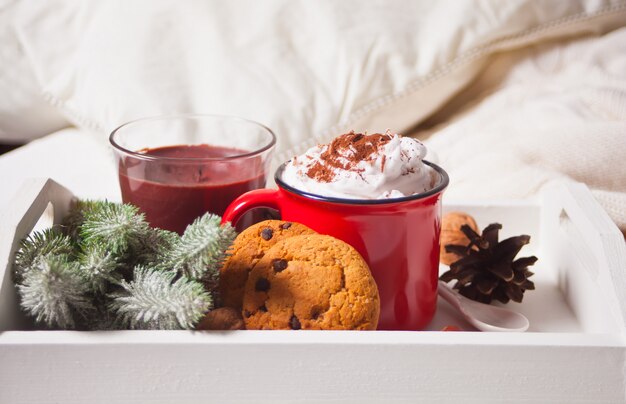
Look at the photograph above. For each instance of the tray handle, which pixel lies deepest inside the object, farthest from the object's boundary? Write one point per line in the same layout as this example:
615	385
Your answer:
36	197
585	233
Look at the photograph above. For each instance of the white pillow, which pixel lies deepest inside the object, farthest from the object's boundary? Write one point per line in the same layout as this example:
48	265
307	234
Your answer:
308	70
24	112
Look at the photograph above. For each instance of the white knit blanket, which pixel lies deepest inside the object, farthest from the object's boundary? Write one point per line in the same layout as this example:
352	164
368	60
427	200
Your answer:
550	112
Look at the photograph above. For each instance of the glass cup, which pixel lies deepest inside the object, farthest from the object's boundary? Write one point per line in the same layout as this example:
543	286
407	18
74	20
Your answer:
398	238
176	168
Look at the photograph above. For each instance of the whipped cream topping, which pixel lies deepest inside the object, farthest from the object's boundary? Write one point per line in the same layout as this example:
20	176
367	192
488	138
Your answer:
360	166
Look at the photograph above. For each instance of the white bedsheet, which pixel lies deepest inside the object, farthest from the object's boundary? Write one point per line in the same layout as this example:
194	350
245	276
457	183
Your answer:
535	114
308	70
75	159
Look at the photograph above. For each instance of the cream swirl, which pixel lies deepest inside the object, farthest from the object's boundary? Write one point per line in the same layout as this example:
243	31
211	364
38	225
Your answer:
359	166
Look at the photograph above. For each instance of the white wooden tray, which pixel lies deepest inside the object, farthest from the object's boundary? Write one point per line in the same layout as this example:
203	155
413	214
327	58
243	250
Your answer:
575	350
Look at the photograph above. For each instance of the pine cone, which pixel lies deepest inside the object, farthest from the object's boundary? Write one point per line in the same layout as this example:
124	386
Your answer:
451	234
487	269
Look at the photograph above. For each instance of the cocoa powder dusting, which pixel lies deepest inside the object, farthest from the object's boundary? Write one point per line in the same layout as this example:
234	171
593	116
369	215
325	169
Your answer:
345	152
320	173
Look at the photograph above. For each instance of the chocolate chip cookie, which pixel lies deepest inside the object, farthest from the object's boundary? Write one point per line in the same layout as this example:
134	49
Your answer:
250	246
311	282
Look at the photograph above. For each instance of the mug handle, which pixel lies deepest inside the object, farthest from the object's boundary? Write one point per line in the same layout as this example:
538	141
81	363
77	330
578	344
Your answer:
258	198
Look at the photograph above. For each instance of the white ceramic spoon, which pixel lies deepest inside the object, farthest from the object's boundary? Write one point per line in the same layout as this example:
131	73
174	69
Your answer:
485	317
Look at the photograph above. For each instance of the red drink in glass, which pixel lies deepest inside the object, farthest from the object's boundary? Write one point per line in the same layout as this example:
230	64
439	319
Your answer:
173	184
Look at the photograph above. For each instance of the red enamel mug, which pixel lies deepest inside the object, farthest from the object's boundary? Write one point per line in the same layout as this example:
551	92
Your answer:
398	238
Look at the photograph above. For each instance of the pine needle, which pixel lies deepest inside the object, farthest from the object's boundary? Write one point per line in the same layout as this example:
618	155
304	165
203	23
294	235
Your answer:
201	250
153	300
37	246
98	267
53	292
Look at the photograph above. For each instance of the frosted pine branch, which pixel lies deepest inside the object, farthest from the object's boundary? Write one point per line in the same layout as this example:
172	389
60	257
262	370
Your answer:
53	292
202	248
76	216
64	280
115	226
39	245
153	300
153	246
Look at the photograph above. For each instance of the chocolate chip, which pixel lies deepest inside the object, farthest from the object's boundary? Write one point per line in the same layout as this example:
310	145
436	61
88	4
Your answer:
294	323
285	226
267	233
315	313
263	309
262	285
279	265
247	314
